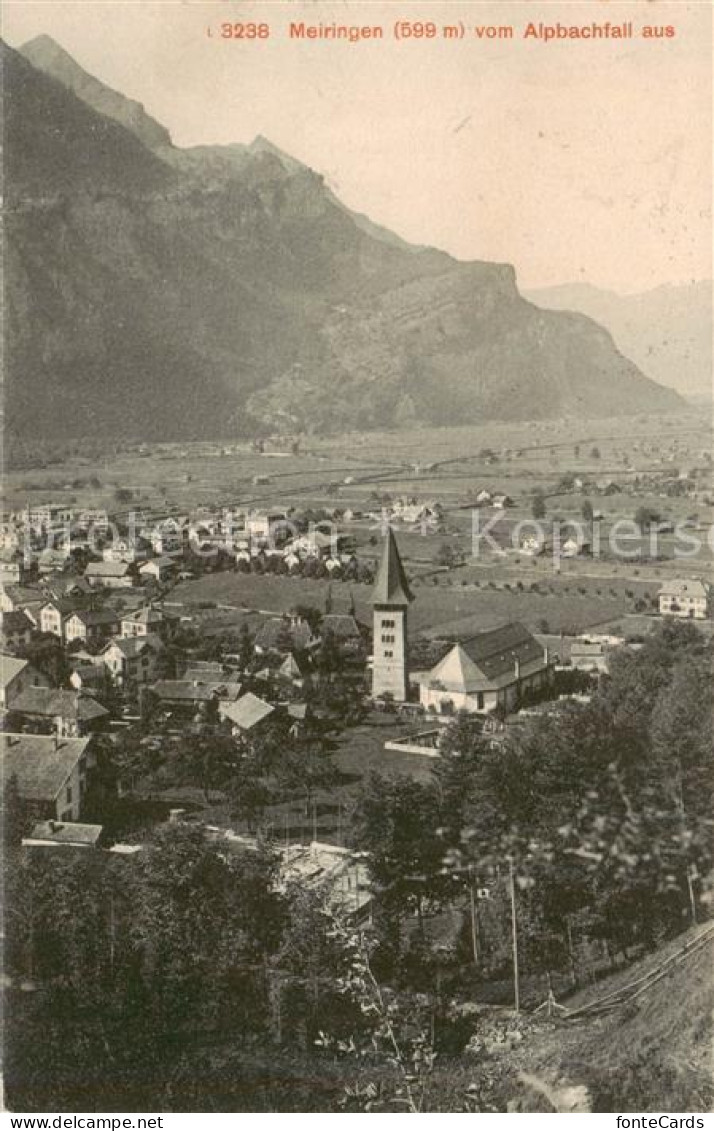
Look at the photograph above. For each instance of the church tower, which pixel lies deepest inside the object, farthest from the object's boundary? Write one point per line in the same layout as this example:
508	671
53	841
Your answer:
390	601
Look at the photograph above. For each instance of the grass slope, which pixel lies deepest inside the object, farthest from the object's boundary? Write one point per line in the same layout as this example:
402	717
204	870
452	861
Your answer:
650	1055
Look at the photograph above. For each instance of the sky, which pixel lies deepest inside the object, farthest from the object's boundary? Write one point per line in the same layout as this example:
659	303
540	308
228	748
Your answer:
575	161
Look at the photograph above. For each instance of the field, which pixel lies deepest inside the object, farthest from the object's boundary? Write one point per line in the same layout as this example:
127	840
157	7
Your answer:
449	466
448	462
446	607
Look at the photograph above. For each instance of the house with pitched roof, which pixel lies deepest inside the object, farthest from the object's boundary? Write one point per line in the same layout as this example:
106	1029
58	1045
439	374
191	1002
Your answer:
283	635
346	632
16	676
53	615
684	598
69	713
132	660
160	569
14	597
188	695
15	629
110	575
91	625
87	675
50	773
245	715
147	621
488	671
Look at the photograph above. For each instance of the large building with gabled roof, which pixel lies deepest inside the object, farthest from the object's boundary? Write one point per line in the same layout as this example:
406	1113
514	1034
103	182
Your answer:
485	672
391	598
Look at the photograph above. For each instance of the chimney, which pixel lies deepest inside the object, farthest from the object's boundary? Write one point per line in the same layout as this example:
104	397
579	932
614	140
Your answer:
517	668
52	826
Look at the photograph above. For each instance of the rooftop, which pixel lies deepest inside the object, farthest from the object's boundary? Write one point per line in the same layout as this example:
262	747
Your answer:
39	763
107	569
495	652
683	588
391	586
297	636
131	646
10	667
51	703
71	834
194	690
247	712
91	617
143	616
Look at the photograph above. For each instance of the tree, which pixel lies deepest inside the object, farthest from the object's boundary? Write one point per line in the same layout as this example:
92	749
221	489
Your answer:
245	647
397	822
203	759
447	555
646	517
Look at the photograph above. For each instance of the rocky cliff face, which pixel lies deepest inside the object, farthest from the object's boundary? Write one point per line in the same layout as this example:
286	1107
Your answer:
667	331
159	292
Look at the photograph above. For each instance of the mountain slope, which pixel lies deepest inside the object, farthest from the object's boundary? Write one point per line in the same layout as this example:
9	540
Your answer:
47	55
666	331
159	292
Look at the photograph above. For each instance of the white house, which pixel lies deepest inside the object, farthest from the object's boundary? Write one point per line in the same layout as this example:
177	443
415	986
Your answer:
122	550
143	622
262	526
158	569
487	671
90	625
684	598
133	659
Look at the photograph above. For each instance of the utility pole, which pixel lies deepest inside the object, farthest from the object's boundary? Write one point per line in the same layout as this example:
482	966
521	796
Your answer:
689	867
474	918
514	939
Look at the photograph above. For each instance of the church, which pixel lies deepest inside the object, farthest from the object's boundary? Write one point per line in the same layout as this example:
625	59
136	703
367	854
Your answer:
482	673
391	598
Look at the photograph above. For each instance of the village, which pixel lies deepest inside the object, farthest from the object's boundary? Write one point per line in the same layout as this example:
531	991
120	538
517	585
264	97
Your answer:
280	681
110	633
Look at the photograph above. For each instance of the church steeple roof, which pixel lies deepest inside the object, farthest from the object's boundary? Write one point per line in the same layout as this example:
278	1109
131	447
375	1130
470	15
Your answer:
391	586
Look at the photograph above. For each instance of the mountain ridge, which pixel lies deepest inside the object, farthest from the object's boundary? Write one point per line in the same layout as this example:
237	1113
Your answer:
158	292
666	330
